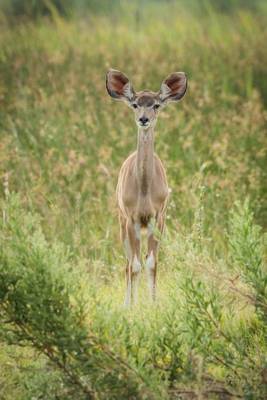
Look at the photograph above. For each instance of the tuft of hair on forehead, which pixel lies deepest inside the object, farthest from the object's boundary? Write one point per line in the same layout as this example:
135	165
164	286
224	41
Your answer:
146	98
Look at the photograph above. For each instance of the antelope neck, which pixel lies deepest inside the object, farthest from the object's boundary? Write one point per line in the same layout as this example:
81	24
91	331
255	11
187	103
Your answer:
145	159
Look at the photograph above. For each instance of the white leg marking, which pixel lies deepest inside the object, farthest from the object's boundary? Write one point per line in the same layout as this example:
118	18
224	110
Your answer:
136	268
151	227
150	265
137	229
128	295
127	249
150	262
136	265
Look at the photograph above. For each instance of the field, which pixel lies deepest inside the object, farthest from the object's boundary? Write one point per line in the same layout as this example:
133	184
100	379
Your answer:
64	331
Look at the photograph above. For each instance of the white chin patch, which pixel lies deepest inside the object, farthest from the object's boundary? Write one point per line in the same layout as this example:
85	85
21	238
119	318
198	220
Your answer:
143	126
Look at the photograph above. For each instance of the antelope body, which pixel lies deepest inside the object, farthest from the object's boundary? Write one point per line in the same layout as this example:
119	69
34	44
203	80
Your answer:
142	189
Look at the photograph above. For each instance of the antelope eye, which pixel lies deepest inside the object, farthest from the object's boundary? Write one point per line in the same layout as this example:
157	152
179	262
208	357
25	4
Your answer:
156	106
134	105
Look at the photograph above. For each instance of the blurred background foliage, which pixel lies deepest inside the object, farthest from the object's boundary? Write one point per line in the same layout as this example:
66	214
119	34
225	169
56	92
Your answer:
37	8
62	143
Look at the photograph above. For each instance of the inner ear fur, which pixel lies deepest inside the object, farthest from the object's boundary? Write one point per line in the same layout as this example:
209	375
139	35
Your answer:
118	85
173	88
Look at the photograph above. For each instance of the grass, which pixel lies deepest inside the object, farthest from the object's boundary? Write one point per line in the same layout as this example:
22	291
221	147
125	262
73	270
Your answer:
62	143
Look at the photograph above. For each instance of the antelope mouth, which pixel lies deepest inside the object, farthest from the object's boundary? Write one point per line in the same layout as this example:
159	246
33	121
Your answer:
143	125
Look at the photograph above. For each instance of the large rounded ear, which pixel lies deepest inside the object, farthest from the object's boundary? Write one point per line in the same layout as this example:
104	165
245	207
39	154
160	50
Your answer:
118	86
173	88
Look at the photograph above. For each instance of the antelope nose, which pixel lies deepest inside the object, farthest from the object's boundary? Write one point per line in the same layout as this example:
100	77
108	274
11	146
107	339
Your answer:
143	120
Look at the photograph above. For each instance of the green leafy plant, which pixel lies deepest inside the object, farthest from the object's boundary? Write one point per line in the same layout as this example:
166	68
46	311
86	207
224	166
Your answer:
247	250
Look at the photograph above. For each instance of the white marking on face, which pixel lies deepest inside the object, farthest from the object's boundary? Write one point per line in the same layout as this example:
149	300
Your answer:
150	262
136	265
137	228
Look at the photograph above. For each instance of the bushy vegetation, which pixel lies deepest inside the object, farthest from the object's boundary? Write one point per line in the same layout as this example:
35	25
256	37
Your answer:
64	333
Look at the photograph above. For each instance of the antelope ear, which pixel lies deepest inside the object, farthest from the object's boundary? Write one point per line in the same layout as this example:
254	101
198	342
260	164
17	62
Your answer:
173	88
118	86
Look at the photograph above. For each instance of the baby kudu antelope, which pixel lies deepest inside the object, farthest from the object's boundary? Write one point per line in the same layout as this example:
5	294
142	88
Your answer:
142	189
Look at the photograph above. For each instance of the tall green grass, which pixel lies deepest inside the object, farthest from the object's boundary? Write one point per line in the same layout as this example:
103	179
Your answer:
62	266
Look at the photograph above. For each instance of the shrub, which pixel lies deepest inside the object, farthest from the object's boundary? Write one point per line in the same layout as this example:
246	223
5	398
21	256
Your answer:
41	306
247	250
